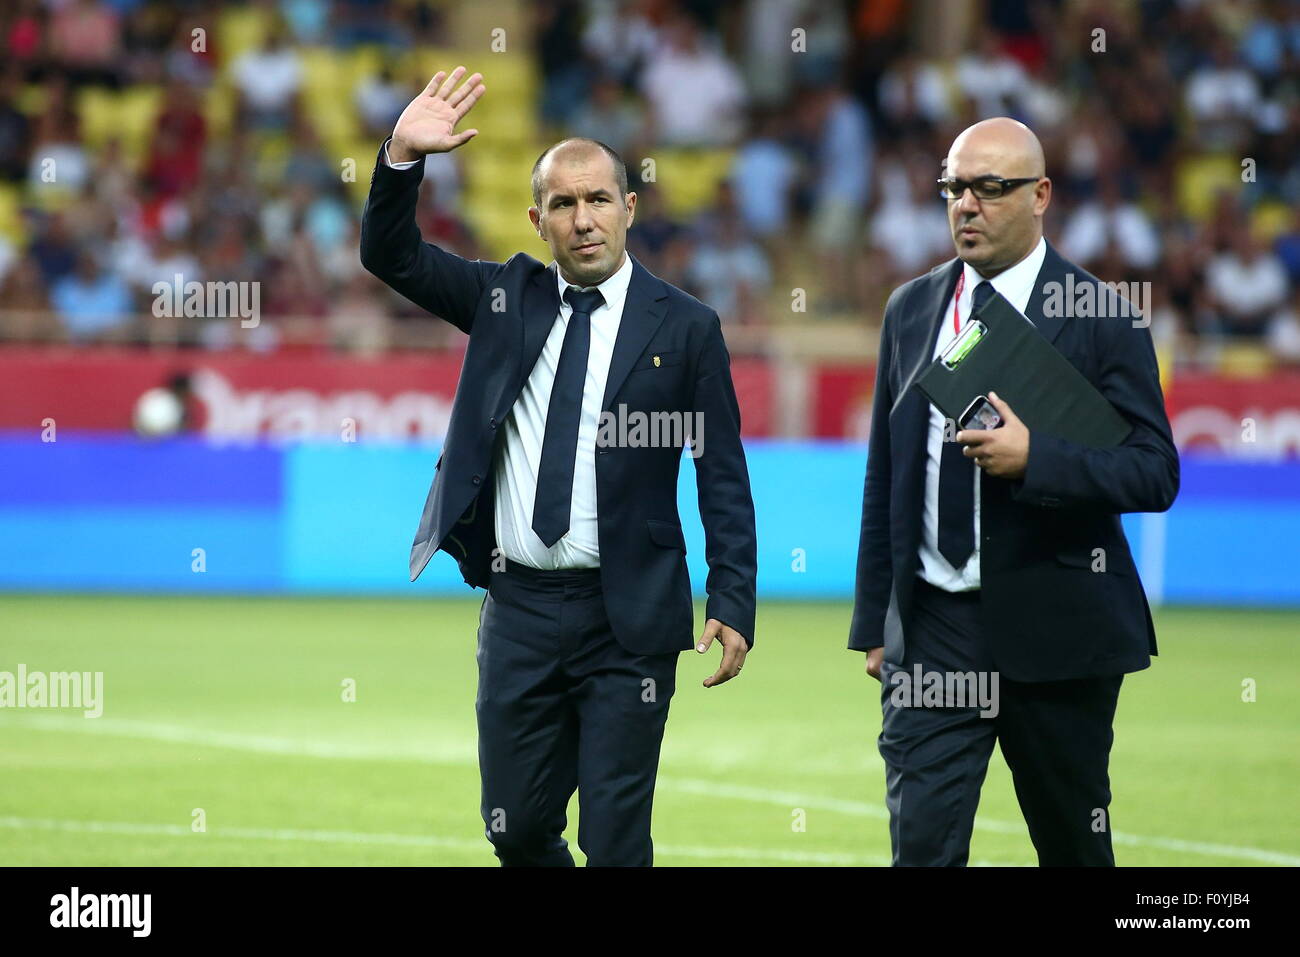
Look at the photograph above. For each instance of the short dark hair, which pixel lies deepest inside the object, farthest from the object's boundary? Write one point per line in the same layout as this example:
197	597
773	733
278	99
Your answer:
620	168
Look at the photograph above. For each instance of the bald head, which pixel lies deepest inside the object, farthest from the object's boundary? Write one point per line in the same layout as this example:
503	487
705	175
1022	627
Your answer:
1009	147
993	234
577	150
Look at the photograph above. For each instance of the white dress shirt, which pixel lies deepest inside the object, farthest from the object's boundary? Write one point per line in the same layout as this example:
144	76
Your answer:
1016	285
519	453
520	450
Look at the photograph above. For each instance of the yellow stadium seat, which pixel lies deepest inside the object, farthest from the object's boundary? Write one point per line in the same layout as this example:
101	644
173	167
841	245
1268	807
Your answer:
687	178
31	99
506	232
97	113
1245	360
321	69
138	109
1270	220
12	227
240	30
1200	179
419	64
363	62
219	105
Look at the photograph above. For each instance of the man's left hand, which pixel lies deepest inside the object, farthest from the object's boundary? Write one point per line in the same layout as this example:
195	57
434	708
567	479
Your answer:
734	649
1002	452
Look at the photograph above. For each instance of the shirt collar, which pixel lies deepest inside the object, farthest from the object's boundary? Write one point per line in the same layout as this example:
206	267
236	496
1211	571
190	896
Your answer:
613	287
1016	282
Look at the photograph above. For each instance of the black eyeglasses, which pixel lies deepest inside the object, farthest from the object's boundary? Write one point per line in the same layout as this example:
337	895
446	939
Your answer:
984	187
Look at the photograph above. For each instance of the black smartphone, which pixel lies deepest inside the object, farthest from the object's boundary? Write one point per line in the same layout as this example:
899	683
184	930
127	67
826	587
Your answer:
980	414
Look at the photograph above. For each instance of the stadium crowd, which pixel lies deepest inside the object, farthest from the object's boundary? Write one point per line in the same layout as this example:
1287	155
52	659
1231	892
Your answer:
1172	132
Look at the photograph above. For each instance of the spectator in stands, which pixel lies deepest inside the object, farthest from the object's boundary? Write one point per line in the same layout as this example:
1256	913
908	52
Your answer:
712	113
1097	223
91	301
619	38
728	269
176	152
15	128
558	47
609	117
306	162
657	240
994	81
25	38
358	320
441	223
268	80
1247	286
86	41
59	160
306	20
25	314
1222	97
843	166
913	96
187	60
909	230
380	99
53	249
763	175
367	22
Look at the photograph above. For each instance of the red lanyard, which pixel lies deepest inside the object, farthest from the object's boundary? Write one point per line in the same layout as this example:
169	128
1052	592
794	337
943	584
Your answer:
956	316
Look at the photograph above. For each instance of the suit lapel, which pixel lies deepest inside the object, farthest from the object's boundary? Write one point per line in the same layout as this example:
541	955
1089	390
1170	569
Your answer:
643	313
917	339
1053	270
540	310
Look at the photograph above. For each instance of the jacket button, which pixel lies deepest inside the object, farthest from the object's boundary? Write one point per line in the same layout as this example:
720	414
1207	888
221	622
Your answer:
492	423
477	480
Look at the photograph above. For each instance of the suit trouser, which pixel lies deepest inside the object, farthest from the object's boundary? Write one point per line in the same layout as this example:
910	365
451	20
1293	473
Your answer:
1055	737
563	706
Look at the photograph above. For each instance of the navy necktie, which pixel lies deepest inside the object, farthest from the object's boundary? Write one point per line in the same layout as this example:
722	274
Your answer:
554	499
957	482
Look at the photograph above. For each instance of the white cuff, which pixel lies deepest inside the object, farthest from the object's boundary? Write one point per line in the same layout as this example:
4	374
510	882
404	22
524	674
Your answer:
388	162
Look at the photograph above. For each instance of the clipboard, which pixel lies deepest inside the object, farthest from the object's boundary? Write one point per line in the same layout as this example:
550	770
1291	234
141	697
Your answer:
1000	350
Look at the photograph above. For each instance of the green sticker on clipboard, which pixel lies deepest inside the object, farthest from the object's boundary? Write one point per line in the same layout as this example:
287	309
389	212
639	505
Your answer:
961	347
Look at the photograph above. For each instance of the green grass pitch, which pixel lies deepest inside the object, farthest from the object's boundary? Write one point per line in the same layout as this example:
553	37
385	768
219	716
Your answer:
233	707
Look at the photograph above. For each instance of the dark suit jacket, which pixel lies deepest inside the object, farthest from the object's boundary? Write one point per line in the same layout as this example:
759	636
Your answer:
1046	614
669	357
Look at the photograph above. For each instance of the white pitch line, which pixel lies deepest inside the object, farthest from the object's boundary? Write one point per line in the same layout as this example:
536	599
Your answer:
862	809
413	840
266	744
423	752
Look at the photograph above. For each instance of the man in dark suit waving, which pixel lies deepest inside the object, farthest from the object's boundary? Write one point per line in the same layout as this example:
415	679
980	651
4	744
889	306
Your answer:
998	556
557	487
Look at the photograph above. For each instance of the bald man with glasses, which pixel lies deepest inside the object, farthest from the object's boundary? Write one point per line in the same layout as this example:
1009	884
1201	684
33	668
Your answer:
994	561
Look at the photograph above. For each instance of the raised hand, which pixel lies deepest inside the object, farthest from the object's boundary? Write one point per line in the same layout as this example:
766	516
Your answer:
428	124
